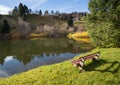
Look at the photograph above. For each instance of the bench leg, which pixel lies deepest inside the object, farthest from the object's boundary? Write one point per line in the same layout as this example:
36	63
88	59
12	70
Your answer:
80	66
80	69
95	58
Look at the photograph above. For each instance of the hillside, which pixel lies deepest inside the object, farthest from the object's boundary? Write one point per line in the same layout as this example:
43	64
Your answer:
41	25
34	23
36	19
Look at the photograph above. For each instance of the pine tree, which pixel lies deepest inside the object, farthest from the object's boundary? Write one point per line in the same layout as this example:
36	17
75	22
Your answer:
15	11
26	10
52	12
70	21
5	27
21	10
40	13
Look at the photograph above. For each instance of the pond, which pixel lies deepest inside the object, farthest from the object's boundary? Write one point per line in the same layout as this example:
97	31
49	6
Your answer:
17	56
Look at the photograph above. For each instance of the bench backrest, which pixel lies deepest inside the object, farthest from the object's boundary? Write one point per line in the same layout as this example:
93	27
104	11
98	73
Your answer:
87	57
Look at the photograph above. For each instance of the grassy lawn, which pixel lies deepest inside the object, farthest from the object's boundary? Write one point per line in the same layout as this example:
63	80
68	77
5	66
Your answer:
106	71
37	19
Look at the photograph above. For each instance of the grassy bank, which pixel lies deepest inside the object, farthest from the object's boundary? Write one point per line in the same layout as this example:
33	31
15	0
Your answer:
106	71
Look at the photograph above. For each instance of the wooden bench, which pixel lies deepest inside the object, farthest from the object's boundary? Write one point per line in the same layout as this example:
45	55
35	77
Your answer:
80	61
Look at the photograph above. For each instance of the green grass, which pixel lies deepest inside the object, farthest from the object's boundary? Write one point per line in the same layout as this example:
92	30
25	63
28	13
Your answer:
105	71
33	19
81	23
37	19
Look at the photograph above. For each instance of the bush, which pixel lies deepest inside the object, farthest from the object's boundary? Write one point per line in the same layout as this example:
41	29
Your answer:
70	21
104	34
5	28
104	22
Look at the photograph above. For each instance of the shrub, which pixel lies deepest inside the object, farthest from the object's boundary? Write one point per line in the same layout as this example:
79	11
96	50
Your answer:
104	34
70	21
5	28
103	22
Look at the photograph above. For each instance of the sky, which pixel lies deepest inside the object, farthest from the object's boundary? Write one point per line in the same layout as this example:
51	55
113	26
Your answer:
60	5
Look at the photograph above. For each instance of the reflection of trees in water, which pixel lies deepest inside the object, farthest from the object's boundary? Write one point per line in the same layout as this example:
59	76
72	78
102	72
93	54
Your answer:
5	48
79	46
25	49
82	46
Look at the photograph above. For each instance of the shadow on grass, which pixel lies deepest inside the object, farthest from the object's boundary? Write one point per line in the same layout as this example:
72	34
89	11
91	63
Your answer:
113	67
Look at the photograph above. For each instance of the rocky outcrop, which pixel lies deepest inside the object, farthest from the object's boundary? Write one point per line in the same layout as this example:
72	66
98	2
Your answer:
23	26
55	30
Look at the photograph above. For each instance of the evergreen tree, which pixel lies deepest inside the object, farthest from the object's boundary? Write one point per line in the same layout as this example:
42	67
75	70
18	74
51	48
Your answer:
40	13
70	21
15	11
5	27
104	22
21	10
26	10
52	12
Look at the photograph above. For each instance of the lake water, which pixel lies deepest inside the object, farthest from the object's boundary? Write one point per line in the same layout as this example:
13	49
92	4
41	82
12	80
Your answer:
17	56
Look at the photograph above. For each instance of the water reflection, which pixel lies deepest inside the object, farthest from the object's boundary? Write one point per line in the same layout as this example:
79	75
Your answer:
21	55
12	65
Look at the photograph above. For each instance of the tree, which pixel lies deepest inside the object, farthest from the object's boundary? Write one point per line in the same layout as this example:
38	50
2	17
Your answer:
15	11
46	13
26	10
40	13
103	22
52	12
21	10
5	27
70	21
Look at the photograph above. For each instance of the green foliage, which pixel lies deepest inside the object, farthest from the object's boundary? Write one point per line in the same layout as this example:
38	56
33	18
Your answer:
103	34
20	10
15	11
36	19
40	13
26	10
103	22
5	27
106	71
70	21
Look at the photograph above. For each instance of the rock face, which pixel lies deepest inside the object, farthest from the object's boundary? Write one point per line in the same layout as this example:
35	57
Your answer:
23	27
55	30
